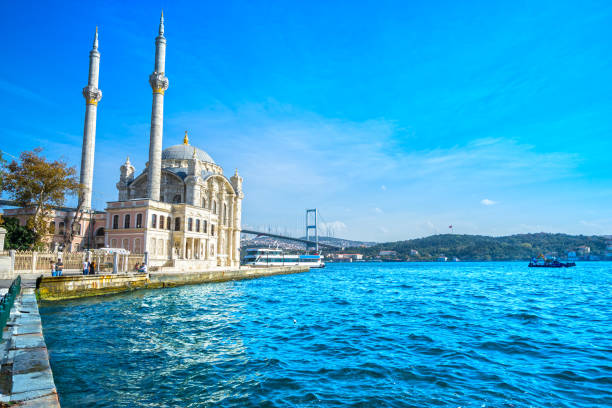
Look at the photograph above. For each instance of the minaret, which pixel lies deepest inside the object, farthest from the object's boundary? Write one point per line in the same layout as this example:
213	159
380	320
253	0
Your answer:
159	83
92	96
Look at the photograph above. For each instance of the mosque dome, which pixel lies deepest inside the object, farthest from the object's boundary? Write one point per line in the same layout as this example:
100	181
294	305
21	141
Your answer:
185	151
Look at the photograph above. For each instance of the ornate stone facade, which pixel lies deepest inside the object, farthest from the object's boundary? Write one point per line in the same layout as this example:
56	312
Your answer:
198	216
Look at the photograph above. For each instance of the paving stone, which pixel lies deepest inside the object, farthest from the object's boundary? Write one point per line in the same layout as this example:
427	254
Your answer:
48	401
30	395
30	360
28	328
39	380
34	340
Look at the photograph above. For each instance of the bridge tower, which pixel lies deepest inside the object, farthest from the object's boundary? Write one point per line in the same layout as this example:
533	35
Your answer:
311	225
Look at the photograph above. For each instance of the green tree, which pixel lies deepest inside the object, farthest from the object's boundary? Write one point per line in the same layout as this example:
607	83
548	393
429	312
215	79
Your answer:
18	236
36	183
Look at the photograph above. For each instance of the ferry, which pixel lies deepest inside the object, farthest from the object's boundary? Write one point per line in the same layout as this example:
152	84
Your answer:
543	262
276	257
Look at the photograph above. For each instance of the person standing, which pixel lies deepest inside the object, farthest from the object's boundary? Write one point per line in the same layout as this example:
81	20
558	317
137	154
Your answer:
53	271
85	267
59	267
92	268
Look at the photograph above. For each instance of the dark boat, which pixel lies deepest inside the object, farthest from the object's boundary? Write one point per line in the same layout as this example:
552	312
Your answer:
542	262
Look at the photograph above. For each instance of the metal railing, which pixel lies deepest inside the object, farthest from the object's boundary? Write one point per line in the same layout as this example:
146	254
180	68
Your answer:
7	301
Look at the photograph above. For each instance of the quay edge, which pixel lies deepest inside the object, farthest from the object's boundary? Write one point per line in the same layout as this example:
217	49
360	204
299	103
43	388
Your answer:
79	286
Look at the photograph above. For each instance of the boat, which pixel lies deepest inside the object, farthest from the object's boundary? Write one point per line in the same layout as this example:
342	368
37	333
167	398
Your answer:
276	257
542	262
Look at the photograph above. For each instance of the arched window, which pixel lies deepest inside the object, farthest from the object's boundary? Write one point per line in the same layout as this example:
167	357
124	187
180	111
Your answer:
115	222
138	220
177	224
205	227
61	228
152	249
214	206
169	223
52	227
197	225
212	229
190	224
137	246
203	202
100	232
126	221
161	222
154	221
126	244
160	247
176	199
113	243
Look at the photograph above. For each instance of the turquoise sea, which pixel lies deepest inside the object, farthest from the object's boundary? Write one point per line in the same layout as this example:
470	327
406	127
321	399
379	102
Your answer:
362	334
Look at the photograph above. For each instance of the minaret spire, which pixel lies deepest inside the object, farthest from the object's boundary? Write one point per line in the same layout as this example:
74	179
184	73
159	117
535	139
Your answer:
95	44
161	24
92	96
159	83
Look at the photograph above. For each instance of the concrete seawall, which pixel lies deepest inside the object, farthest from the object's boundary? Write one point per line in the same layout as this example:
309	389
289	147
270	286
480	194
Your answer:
26	379
77	286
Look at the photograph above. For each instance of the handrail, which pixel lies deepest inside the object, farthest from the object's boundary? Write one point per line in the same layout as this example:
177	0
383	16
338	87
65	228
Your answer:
7	301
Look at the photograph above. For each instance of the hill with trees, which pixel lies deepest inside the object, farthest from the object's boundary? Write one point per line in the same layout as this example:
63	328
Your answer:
485	248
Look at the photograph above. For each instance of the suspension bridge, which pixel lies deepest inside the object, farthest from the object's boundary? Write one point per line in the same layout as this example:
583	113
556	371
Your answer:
312	233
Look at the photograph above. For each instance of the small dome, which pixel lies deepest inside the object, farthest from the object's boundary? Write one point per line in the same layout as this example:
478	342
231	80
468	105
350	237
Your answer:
185	152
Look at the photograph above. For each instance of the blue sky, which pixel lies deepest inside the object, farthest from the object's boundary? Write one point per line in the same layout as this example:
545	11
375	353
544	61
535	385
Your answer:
395	119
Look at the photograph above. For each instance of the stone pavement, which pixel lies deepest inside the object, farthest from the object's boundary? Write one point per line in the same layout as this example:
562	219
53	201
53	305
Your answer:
26	379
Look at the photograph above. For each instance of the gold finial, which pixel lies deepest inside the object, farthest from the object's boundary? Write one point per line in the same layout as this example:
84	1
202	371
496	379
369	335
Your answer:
186	139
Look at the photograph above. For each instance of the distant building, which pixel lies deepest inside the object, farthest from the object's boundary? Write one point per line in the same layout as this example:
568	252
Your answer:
441	258
583	250
387	253
571	256
414	252
609	249
347	257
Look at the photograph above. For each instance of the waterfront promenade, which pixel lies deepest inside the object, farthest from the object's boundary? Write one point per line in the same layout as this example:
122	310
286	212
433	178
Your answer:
26	379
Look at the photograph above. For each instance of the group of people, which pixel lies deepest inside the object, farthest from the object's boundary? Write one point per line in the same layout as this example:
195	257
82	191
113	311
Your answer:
140	267
89	268
57	267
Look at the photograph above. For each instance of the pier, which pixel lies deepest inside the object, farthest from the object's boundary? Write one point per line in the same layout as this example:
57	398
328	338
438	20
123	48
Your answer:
51	288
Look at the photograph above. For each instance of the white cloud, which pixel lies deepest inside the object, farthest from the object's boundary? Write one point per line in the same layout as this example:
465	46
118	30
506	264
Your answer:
383	187
486	201
378	210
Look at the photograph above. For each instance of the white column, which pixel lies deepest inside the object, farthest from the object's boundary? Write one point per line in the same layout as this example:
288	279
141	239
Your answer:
92	96
159	84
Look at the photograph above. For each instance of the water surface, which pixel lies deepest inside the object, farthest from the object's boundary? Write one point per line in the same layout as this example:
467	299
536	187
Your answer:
366	335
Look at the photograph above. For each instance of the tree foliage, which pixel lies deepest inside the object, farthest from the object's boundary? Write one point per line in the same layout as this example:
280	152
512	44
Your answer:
484	248
36	183
18	237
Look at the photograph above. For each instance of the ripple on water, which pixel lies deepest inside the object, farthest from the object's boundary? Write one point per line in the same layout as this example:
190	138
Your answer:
461	334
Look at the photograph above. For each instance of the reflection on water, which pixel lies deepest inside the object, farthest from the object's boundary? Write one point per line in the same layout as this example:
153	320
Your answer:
466	334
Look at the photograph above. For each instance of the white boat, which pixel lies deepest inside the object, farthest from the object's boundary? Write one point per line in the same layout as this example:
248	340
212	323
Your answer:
276	257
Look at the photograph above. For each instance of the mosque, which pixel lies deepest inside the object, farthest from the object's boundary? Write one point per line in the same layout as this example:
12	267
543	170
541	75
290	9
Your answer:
180	209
